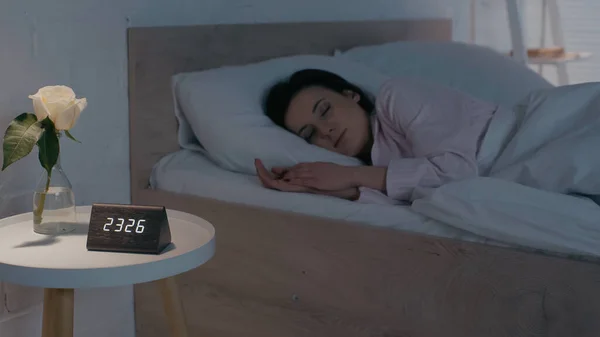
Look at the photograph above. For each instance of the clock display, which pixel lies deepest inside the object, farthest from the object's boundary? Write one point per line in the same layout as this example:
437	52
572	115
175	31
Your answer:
128	228
120	226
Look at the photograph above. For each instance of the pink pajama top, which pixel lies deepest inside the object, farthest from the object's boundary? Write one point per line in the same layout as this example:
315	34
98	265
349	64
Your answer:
426	135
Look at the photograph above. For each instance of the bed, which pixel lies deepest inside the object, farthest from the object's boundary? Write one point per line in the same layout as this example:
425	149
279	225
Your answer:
291	269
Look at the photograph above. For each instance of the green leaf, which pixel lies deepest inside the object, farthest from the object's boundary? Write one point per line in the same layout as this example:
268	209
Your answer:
49	146
20	137
71	136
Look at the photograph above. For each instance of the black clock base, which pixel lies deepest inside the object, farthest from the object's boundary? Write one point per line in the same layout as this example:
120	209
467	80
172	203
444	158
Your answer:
130	250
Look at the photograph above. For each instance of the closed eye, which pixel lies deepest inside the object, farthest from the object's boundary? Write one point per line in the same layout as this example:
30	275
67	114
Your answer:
325	108
307	133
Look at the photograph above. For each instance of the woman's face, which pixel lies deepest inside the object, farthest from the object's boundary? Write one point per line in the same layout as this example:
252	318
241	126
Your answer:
330	120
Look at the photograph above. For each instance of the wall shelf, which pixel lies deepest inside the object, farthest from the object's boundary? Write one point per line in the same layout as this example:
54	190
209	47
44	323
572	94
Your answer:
520	52
568	57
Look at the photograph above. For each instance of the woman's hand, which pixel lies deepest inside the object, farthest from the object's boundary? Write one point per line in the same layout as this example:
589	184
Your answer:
272	182
275	181
329	176
321	176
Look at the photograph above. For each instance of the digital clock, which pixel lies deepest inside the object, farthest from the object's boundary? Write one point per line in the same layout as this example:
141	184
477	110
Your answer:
128	228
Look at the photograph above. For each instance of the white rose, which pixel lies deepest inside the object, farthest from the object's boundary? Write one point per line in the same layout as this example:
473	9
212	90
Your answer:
59	103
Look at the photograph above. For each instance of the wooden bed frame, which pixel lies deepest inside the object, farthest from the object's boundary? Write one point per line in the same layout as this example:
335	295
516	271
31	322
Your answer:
284	274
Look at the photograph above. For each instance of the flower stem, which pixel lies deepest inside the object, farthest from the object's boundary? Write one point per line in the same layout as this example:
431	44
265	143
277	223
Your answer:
37	214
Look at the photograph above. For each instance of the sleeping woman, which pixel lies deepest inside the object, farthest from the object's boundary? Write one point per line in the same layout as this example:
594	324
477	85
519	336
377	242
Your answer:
414	135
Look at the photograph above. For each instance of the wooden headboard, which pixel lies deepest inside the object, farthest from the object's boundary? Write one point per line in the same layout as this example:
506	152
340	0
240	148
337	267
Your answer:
157	53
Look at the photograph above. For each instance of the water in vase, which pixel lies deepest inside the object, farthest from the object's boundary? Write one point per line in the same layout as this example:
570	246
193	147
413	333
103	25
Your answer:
58	215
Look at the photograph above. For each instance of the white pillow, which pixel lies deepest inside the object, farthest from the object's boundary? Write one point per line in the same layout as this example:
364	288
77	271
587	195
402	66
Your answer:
477	70
222	109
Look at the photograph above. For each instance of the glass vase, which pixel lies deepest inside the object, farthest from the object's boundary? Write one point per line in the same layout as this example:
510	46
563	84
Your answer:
54	203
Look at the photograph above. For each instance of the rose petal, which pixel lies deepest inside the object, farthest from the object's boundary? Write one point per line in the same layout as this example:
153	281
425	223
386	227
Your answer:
81	103
67	119
57	106
57	92
39	108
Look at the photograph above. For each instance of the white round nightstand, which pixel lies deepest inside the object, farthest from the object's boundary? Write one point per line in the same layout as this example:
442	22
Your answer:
62	263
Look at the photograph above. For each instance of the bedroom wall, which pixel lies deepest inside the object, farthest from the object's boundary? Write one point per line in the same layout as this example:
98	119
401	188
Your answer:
81	43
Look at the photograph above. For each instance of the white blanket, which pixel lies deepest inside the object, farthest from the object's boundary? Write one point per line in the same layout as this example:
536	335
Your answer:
534	156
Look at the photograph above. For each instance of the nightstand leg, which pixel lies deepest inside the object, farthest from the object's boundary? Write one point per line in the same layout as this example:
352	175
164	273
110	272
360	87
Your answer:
173	307
58	313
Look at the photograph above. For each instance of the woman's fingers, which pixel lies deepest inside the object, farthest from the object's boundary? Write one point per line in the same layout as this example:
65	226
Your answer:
306	182
279	169
291	188
302	170
269	181
265	176
279	172
259	165
302	166
261	168
284	186
298	174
